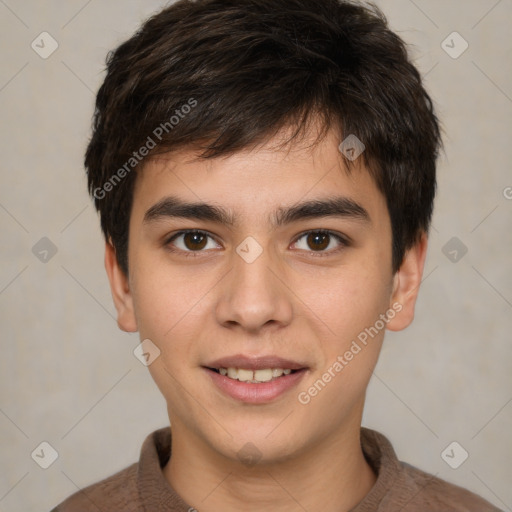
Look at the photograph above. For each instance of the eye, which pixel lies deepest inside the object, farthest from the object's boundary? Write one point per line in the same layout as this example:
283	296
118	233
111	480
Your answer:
191	242
320	240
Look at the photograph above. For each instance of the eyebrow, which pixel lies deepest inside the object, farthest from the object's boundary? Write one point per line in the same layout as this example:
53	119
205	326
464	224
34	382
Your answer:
174	207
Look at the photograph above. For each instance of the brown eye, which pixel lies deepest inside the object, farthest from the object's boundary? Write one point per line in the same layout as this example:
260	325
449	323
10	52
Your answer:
191	243
194	241
318	241
321	242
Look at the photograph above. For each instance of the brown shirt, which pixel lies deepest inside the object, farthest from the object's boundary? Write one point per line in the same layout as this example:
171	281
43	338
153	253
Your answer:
142	487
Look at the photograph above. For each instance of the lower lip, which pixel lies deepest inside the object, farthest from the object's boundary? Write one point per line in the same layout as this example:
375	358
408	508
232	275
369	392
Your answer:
256	393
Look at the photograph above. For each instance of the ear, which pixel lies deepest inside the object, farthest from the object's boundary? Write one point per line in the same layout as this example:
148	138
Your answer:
120	289
407	284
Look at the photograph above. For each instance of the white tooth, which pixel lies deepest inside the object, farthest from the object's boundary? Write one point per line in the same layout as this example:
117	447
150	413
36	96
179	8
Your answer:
263	375
245	375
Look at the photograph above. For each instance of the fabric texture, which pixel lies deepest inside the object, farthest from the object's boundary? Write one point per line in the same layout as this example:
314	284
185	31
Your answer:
142	486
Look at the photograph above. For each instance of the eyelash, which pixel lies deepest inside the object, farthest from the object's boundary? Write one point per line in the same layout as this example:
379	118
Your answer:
344	242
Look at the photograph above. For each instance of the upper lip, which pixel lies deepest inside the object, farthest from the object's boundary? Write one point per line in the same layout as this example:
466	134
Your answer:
255	363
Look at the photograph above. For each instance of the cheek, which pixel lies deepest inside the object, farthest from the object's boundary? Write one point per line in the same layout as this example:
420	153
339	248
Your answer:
346	302
172	305
349	345
168	300
169	308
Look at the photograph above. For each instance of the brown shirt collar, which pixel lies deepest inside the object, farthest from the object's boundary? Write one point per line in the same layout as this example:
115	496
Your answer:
158	495
399	486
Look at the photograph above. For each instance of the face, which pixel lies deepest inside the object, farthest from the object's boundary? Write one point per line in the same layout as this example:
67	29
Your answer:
290	299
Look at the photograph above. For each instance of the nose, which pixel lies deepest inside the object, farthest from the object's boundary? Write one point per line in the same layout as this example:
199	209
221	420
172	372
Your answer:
254	295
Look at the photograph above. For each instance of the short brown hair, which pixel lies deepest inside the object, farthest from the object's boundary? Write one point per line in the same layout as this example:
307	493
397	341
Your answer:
223	75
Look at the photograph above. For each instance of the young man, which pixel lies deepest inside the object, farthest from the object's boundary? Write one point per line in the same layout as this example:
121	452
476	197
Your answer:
265	175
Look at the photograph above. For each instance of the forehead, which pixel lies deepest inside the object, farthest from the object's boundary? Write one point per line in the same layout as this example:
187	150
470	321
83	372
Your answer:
259	183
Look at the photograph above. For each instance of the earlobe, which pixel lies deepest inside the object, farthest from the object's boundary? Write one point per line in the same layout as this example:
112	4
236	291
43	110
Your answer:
406	285
120	289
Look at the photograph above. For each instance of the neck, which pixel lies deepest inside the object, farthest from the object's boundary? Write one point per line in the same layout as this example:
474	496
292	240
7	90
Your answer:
332	476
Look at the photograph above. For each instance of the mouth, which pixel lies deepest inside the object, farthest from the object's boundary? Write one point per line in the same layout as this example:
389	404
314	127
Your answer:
253	376
255	380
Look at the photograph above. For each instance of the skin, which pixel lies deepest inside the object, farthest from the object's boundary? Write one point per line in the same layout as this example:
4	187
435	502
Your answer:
289	302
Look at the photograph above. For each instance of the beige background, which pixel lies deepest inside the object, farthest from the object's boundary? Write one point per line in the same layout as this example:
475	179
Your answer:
68	375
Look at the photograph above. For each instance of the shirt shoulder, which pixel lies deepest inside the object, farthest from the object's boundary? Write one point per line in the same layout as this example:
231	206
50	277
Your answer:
137	488
428	492
401	486
113	494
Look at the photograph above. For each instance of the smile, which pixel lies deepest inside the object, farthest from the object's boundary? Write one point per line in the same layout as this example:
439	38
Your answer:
254	377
